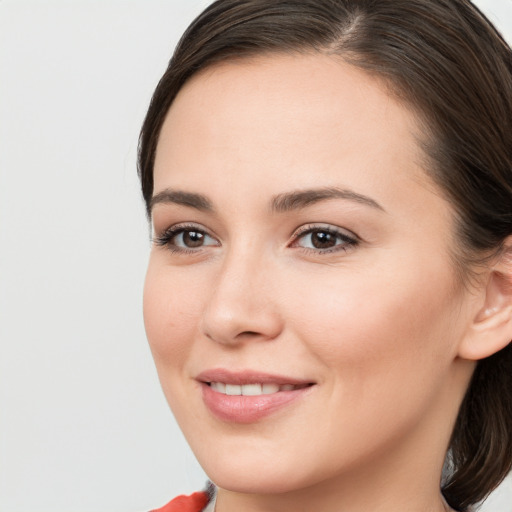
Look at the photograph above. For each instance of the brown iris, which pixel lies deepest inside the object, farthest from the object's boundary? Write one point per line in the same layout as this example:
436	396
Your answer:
323	239
193	238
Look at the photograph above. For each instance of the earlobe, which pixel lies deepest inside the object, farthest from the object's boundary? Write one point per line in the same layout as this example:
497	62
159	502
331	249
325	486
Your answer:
491	329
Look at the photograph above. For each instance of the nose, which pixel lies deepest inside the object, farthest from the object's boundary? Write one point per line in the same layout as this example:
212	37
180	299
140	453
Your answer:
242	305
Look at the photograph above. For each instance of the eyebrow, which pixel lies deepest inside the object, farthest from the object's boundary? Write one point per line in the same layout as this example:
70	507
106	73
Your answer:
281	203
302	198
169	196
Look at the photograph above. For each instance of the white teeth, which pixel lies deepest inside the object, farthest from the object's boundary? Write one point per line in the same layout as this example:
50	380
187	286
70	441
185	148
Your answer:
268	389
250	389
219	386
233	389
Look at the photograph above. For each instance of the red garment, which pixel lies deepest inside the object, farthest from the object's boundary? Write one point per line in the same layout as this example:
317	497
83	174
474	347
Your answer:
193	503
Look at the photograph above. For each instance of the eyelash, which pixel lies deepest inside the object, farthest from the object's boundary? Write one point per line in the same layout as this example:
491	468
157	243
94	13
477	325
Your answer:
349	241
166	238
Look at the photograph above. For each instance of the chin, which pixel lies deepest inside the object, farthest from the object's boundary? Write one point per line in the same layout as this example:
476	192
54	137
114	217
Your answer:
262	469
249	481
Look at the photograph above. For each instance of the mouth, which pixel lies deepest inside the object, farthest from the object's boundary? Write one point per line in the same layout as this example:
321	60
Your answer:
255	389
247	396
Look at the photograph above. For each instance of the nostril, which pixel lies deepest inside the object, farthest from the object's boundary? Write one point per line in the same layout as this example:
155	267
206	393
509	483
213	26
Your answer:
232	322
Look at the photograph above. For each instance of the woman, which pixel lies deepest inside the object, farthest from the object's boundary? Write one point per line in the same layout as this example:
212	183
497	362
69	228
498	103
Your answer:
329	293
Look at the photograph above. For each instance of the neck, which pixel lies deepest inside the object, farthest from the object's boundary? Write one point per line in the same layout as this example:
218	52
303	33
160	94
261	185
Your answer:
329	497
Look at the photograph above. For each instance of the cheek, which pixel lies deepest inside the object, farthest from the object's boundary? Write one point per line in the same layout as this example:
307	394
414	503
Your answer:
172	308
385	350
373	322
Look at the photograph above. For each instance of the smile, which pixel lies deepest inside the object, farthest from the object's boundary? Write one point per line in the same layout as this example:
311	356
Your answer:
253	389
248	396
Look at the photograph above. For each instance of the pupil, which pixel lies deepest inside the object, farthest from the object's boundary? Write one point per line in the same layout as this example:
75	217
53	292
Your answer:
193	238
323	240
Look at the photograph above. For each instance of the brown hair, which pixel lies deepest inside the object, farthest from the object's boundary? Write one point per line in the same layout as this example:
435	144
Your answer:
447	62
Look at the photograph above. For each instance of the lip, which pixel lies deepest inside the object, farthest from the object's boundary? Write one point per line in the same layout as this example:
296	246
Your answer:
248	377
248	409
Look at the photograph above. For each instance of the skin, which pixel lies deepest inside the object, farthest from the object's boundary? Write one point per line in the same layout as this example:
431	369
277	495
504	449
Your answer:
377	325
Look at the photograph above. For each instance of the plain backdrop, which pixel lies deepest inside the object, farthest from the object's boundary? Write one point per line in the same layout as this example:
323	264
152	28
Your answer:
84	426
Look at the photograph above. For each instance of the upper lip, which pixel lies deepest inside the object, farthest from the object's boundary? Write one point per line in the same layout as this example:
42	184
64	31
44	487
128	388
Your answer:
247	377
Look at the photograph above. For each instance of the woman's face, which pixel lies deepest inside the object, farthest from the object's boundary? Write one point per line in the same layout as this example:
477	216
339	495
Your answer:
301	303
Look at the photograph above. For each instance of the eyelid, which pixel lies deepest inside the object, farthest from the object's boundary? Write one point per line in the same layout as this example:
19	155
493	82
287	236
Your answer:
344	235
308	228
351	239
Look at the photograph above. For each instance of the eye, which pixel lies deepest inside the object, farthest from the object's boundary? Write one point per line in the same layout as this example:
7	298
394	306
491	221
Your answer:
324	239
191	239
185	238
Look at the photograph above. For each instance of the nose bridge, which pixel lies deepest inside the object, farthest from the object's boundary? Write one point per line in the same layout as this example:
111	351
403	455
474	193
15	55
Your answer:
241	303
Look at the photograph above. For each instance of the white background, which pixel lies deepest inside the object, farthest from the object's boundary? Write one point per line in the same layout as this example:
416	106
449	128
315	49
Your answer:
83	424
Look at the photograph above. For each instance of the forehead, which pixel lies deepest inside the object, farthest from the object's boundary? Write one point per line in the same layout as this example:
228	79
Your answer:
313	85
293	118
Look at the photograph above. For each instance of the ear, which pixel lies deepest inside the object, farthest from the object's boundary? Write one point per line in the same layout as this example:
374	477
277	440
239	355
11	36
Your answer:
491	328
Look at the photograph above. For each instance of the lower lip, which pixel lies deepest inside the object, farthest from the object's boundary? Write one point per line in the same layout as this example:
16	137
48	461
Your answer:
248	409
